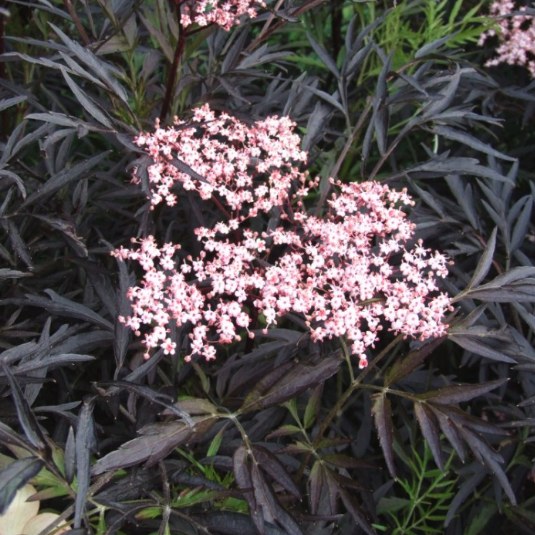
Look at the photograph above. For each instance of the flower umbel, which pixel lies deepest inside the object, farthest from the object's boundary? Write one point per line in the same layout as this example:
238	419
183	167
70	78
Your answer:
344	273
224	13
516	36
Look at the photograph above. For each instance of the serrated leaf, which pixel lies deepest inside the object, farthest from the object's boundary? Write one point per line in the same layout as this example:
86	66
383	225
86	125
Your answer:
382	413
358	514
65	307
313	405
270	464
447	95
324	57
469	141
479	346
13	177
86	102
485	261
6	273
450	432
27	419
434	45
429	427
13	101
316	481
97	65
462	393
55	183
345	461
156	442
520	229
294	379
283	431
403	367
83	445
18	243
491	459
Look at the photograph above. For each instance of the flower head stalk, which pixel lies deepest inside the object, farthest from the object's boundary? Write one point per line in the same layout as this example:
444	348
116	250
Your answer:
350	273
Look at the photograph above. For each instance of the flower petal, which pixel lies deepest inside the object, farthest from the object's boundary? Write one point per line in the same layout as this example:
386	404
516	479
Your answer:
35	525
19	512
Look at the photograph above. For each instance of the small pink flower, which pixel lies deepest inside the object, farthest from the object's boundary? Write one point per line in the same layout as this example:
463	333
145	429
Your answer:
224	13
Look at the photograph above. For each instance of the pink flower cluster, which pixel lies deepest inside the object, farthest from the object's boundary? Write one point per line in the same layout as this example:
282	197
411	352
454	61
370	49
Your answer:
516	37
344	273
224	13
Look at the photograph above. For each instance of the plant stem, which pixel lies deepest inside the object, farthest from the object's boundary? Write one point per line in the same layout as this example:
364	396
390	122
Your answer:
355	383
179	51
77	22
352	387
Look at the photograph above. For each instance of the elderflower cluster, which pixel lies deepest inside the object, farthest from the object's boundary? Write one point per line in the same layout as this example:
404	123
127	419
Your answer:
347	273
223	13
516	36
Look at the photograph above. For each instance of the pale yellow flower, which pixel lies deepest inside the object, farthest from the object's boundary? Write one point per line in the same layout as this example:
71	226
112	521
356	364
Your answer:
22	518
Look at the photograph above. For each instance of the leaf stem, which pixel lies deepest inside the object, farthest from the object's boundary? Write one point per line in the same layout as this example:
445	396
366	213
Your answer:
179	51
353	386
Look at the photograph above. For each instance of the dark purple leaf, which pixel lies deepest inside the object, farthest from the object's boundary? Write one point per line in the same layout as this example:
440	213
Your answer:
156	442
27	419
480	346
8	436
317	483
490	458
485	262
403	367
270	464
290	380
154	397
382	413
429	427
470	141
458	394
345	461
324	57
447	95
466	489
356	511
70	456
450	431
54	184
65	307
18	244
83	445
